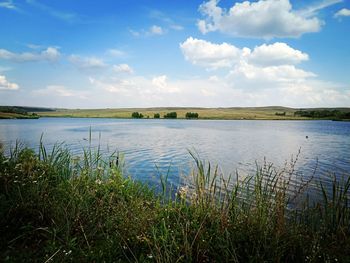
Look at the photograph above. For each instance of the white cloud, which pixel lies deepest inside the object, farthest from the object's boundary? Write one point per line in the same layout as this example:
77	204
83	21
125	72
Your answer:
60	91
160	82
123	68
276	54
213	56
156	30
261	19
87	62
177	27
314	8
265	64
342	12
259	76
50	54
265	75
62	15
203	53
6	85
8	4
55	90
116	52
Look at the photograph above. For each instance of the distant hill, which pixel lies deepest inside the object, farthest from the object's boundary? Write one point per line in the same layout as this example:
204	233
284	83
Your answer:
22	109
220	113
19	112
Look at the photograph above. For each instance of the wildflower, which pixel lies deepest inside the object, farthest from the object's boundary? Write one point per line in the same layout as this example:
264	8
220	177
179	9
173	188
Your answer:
149	255
98	181
183	192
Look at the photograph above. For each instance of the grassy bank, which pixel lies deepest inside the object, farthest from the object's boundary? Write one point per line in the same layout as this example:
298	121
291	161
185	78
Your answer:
261	113
7	115
9	112
56	207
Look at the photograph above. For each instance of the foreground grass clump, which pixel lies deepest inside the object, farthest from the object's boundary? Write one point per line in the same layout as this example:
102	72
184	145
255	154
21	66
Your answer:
56	207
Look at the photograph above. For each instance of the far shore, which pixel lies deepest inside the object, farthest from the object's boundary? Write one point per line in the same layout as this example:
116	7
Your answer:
233	113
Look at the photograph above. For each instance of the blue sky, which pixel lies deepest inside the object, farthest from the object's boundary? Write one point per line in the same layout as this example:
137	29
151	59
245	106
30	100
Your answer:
138	53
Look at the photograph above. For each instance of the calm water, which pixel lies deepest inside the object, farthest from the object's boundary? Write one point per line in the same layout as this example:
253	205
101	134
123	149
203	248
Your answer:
233	145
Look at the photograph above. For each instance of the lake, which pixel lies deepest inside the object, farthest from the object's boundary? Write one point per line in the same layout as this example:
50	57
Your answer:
153	146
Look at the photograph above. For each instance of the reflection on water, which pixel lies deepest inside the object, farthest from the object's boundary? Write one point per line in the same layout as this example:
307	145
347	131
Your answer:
233	145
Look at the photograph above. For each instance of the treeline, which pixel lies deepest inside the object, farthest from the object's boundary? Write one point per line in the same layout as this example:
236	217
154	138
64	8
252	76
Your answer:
169	115
333	114
11	112
10	109
23	110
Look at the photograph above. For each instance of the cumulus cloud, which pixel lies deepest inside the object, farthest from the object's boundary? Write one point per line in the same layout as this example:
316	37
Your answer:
276	54
248	75
213	56
123	68
50	54
261	19
342	12
264	75
161	84
87	62
204	53
6	85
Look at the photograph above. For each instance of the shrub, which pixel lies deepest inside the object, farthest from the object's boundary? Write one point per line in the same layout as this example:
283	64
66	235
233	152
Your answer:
156	116
280	113
191	115
137	115
170	115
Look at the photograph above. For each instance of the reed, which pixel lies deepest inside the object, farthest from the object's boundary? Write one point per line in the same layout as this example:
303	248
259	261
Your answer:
58	207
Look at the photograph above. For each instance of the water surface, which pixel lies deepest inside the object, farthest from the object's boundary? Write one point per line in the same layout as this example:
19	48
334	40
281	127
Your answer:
152	146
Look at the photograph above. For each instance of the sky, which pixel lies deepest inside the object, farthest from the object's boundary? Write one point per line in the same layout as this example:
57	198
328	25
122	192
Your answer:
180	53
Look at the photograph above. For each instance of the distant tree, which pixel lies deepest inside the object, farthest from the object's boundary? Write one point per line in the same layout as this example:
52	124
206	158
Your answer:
170	115
280	113
330	114
191	115
137	115
156	116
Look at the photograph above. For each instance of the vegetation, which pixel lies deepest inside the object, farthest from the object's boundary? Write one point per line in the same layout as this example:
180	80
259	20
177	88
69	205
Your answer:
156	116
191	115
238	113
333	114
170	115
57	207
137	115
9	112
280	113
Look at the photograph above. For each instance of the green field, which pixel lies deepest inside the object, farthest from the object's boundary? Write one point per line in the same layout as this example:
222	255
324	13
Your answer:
11	115
235	113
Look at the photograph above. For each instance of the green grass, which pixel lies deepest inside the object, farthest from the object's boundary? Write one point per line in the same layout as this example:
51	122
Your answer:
55	206
262	113
10	115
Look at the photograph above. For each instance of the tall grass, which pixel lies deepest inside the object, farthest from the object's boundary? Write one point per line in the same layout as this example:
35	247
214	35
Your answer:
57	207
